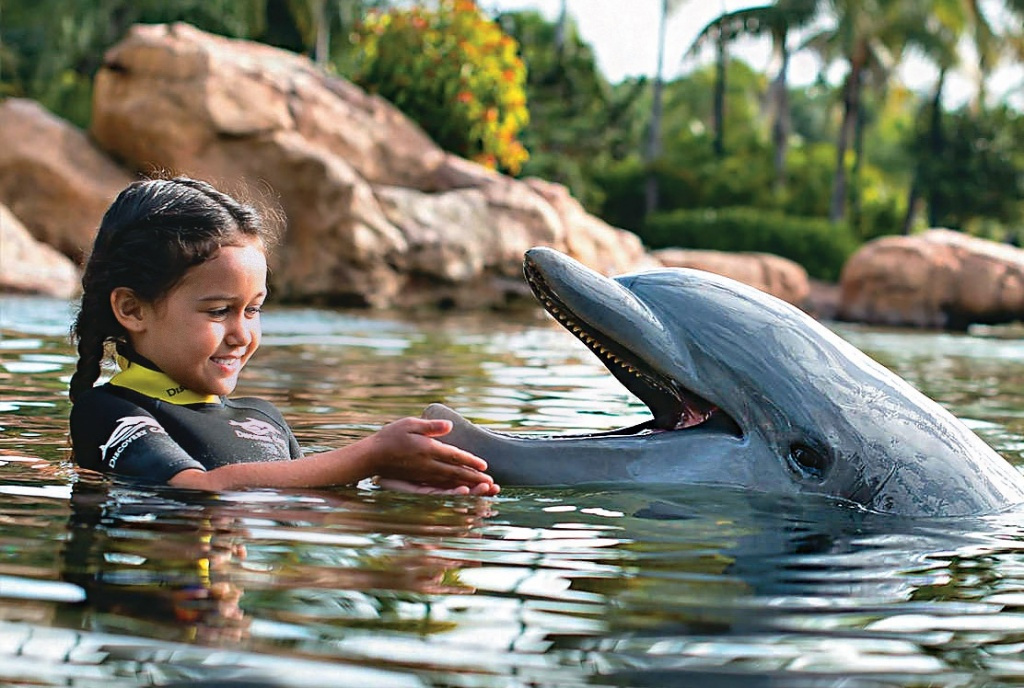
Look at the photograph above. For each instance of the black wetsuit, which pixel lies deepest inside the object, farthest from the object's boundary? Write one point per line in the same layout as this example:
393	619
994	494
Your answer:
140	424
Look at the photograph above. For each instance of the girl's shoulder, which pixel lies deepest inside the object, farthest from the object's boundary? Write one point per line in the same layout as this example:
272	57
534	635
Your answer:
107	399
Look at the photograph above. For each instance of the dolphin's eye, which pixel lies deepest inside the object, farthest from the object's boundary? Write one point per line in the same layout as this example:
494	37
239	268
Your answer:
809	463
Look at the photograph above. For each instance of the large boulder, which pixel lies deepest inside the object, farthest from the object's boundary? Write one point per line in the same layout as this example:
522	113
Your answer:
377	214
778	276
28	265
53	177
940	278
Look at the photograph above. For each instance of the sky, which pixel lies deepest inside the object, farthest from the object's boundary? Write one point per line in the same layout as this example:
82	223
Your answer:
624	35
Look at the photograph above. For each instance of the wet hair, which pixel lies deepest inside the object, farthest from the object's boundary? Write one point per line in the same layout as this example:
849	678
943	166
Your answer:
150	236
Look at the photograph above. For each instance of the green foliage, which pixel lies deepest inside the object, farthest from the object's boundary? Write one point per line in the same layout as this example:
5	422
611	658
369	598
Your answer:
689	108
453	71
56	46
810	111
449	73
577	122
819	246
50	50
974	168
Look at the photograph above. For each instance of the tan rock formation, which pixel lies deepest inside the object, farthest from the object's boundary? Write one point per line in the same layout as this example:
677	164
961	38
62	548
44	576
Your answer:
939	278
376	213
53	177
28	265
773	274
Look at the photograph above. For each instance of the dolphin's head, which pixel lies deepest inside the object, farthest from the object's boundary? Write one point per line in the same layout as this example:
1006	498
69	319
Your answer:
746	390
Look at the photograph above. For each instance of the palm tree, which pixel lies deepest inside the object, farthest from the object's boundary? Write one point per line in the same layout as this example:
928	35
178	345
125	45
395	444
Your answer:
653	148
870	37
953	20
948	23
777	20
987	44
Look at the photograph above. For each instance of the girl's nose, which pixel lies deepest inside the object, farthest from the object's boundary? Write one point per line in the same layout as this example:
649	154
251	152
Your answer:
241	331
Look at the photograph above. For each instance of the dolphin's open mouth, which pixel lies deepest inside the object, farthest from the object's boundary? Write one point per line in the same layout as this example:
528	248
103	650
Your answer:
673	406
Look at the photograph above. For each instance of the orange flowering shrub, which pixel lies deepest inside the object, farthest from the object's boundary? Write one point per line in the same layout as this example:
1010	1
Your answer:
454	72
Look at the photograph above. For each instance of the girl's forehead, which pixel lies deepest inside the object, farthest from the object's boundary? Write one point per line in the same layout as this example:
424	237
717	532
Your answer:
241	268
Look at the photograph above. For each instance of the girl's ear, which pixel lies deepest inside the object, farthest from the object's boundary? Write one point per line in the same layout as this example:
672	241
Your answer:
128	309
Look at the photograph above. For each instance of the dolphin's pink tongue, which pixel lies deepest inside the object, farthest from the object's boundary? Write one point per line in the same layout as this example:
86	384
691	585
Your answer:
694	414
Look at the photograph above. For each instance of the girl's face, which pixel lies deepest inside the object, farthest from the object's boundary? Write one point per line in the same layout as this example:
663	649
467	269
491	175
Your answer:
205	329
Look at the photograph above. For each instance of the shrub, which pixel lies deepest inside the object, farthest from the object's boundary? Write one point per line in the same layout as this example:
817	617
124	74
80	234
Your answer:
454	72
819	246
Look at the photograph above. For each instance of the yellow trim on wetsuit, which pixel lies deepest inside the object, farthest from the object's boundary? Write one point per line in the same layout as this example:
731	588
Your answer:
158	385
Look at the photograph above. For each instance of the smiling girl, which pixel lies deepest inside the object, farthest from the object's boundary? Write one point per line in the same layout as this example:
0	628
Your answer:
175	282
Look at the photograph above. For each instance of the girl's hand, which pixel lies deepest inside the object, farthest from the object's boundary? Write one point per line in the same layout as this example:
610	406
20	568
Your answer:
405	452
480	490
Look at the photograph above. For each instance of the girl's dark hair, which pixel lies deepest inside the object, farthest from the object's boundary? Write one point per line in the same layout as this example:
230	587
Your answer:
150	236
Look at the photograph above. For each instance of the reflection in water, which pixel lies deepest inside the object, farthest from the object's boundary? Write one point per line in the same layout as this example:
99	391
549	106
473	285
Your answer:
109	583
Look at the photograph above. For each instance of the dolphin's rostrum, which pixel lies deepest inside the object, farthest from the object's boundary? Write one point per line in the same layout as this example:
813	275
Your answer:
745	390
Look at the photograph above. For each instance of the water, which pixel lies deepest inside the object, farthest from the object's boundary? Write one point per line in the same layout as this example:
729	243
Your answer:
104	583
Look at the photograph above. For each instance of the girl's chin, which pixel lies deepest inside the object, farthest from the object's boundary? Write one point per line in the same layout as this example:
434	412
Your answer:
222	387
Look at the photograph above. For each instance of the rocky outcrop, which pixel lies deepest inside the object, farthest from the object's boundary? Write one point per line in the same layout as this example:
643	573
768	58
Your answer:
939	278
53	177
770	273
28	265
377	214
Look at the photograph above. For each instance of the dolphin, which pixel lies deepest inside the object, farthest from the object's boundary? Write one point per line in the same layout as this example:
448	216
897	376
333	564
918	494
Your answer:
746	391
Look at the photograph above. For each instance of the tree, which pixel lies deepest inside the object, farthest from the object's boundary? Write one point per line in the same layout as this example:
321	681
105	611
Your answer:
778	21
57	46
979	170
869	36
947	26
652	148
577	120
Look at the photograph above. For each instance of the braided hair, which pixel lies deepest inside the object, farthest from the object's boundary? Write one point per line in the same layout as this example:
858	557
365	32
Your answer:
150	236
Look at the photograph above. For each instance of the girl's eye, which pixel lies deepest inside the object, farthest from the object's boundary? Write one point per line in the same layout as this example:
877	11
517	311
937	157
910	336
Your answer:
218	312
253	311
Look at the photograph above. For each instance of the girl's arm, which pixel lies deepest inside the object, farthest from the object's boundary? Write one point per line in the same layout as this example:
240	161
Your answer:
404	451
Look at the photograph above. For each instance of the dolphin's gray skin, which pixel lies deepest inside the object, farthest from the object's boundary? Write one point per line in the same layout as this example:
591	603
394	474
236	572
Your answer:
746	391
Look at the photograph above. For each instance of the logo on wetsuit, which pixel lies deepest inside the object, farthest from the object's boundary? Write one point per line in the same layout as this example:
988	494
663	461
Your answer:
129	429
261	431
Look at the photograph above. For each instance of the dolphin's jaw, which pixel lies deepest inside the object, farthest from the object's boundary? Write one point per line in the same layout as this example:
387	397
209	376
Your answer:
673	406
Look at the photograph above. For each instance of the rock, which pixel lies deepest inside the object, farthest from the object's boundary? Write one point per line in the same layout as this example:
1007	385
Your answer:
939	278
28	265
823	300
595	243
377	214
773	274
53	177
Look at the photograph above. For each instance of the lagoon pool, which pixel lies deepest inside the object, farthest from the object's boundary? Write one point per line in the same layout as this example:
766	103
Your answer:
106	583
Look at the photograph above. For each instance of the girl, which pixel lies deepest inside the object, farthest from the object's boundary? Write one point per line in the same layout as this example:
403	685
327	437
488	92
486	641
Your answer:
176	281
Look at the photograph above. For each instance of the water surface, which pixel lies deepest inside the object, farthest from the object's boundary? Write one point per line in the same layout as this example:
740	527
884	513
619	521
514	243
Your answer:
113	584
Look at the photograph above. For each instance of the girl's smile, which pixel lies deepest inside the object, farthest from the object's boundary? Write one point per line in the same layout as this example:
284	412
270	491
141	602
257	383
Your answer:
203	332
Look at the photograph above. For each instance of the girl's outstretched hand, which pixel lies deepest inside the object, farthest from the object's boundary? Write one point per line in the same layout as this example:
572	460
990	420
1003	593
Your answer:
412	460
481	490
